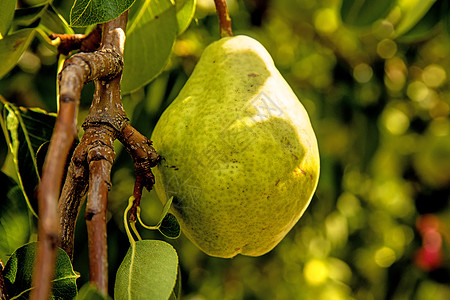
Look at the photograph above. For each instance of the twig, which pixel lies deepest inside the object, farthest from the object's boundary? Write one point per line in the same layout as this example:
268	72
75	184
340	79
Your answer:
224	18
144	157
86	43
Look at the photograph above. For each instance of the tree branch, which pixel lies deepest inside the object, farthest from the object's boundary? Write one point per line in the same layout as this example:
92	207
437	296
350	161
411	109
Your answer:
86	43
79	69
72	196
105	120
224	18
144	157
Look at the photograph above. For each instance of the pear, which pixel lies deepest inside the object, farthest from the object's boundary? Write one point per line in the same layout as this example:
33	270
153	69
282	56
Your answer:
239	154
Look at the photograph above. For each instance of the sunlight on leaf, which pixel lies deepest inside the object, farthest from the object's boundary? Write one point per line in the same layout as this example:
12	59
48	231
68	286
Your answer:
151	35
89	12
6	15
412	12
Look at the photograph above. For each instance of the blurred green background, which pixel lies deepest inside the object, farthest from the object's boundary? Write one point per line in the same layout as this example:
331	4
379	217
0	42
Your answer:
379	224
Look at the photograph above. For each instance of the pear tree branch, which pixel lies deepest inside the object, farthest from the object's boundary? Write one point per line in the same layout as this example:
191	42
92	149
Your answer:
77	70
145	158
224	18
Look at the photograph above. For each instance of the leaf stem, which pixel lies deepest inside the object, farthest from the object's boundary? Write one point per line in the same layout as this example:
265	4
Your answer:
224	18
125	221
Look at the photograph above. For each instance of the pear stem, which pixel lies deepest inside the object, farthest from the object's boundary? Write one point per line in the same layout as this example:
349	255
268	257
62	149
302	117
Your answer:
224	18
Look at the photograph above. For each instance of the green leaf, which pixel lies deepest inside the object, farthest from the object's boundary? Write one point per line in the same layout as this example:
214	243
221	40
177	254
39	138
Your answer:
170	227
90	12
148	271
29	15
19	271
90	292
425	27
185	13
15	226
54	22
151	35
27	130
12	47
6	15
362	13
412	12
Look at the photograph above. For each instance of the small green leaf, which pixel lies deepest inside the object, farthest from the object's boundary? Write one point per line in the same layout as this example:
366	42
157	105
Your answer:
19	271
6	15
151	35
15	225
148	271
362	13
90	12
170	227
185	13
27	130
90	292
12	47
412	12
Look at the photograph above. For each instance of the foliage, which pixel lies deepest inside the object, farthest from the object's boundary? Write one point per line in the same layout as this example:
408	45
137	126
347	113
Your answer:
377	90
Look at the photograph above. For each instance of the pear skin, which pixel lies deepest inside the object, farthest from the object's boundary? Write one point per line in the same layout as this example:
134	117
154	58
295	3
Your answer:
239	154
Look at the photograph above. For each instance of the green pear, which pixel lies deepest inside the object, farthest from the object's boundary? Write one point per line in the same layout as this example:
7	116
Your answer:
239	154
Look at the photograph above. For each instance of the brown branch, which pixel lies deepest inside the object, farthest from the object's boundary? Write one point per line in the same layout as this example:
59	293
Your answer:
144	157
224	18
63	137
77	70
100	158
72	196
86	43
105	120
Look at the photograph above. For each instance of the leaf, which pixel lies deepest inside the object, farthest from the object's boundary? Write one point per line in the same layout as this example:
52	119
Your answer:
425	27
412	11
90	12
27	130
29	15
18	274
15	227
12	47
6	15
170	227
148	271
176	293
185	13
150	37
90	292
54	22
362	13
